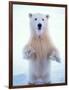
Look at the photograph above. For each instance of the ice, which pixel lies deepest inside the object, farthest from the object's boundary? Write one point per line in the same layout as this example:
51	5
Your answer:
57	73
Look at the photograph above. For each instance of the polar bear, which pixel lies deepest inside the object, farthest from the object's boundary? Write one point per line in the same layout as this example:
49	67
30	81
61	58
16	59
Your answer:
40	49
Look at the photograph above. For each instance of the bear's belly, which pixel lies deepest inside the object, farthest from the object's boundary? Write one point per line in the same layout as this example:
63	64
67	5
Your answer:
39	68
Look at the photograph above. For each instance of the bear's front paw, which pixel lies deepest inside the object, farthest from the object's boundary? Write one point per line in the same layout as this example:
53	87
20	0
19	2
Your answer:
29	52
55	56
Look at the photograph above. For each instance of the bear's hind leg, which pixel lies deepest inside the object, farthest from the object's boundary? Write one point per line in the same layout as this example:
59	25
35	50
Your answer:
46	79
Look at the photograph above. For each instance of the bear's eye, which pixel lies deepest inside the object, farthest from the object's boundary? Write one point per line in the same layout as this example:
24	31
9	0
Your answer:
42	19
35	18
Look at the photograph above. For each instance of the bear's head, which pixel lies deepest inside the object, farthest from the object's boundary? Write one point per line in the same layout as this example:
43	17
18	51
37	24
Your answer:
38	23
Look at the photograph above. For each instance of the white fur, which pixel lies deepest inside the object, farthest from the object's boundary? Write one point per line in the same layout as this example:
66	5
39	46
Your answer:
39	68
34	23
39	71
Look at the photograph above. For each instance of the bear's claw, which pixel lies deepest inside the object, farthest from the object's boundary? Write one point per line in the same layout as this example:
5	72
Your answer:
28	52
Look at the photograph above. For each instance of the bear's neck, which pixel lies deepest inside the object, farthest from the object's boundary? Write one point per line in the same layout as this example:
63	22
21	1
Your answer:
44	36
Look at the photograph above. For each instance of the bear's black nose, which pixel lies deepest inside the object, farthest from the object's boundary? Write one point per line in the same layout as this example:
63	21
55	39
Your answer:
39	26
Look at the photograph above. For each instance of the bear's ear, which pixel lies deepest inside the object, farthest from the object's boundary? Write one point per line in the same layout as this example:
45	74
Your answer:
30	15
47	16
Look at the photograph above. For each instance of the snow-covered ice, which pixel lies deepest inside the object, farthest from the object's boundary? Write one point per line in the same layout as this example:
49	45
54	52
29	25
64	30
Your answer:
57	75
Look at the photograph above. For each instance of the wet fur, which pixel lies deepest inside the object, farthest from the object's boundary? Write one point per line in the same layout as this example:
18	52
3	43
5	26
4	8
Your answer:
42	46
39	59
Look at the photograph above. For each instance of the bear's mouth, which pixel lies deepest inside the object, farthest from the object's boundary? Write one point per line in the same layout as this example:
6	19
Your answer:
39	26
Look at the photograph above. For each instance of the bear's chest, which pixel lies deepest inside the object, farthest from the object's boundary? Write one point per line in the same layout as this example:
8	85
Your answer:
41	48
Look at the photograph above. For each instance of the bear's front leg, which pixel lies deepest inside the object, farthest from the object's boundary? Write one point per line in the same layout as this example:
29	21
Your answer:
29	52
54	55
